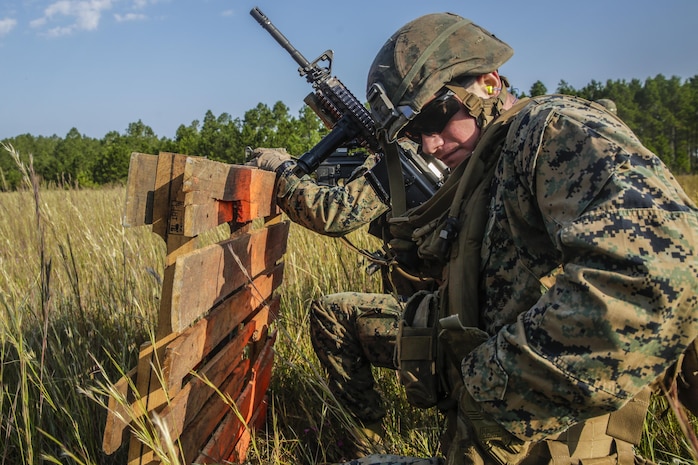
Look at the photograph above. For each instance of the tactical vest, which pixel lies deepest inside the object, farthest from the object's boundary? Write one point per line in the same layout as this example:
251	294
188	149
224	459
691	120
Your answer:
449	231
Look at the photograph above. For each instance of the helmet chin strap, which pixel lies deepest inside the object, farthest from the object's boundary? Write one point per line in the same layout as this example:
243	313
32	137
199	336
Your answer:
484	110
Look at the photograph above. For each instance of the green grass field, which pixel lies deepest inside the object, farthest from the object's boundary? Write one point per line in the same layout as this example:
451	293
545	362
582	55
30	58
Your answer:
79	294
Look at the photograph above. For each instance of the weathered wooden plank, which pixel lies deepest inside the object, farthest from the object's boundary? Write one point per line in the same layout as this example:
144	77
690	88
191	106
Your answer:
263	319
140	190
239	453
219	192
168	185
196	342
118	413
190	401
152	393
231	440
216	444
262	322
168	222
207	276
194	438
182	196
148	458
179	354
229	444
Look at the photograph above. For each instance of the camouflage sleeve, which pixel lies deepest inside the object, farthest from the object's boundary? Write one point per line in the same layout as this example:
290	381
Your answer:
624	306
329	210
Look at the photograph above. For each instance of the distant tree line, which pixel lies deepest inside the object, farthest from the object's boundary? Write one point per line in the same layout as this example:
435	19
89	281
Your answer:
662	112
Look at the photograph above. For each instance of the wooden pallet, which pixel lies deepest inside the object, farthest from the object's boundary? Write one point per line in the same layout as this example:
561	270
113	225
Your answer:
206	374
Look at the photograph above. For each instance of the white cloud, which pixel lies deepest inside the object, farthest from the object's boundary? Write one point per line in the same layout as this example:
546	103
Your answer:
37	23
6	25
228	13
80	15
140	4
129	17
60	31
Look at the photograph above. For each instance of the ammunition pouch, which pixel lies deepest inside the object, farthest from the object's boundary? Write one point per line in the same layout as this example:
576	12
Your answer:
457	340
417	350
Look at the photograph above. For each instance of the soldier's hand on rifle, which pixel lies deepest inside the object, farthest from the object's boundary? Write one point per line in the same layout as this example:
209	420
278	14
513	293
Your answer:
268	159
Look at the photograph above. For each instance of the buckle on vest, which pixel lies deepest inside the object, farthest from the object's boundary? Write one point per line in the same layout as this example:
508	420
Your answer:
448	233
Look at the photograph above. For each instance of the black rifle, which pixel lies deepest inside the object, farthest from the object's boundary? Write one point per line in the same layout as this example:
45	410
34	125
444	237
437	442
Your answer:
339	166
351	126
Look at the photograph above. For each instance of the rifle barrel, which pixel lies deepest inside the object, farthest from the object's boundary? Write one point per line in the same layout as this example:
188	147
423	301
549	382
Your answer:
280	38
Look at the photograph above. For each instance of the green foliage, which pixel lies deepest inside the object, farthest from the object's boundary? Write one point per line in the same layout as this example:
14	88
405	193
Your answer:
662	112
538	88
273	127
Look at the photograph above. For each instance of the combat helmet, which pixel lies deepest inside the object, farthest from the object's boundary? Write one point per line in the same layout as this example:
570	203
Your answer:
420	59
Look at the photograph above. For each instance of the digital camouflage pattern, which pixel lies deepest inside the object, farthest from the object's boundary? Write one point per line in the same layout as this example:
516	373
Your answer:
350	332
575	187
343	327
329	210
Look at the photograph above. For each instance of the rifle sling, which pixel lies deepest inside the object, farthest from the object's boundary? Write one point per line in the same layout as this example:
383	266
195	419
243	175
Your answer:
396	180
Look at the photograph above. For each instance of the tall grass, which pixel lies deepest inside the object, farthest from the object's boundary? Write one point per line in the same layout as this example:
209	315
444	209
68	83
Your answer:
79	294
71	296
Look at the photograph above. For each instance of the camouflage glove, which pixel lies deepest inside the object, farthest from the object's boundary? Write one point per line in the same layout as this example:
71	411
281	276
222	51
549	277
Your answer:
495	442
269	159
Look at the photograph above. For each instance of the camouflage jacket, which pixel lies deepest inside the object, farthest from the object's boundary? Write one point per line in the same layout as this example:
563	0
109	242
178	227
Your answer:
575	191
329	210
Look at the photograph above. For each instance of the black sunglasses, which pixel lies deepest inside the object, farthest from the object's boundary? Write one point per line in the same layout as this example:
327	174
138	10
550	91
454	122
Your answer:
433	118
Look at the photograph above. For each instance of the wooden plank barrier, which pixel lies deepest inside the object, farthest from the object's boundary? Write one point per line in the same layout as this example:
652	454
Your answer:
213	341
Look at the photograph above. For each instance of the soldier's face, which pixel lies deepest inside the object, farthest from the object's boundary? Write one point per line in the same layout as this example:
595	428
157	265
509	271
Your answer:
456	142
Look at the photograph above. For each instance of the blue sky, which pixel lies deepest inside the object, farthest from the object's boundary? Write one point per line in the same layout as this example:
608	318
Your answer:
98	65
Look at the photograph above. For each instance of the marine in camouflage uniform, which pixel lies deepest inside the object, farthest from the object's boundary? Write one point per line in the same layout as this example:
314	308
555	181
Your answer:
540	375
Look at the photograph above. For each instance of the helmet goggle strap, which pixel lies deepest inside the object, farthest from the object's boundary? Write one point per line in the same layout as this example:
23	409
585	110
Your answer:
484	110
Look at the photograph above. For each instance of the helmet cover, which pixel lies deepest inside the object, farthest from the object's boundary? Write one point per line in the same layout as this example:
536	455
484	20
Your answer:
421	58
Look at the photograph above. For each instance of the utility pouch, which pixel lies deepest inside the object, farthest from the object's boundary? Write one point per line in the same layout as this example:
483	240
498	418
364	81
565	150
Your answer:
458	340
416	350
434	239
